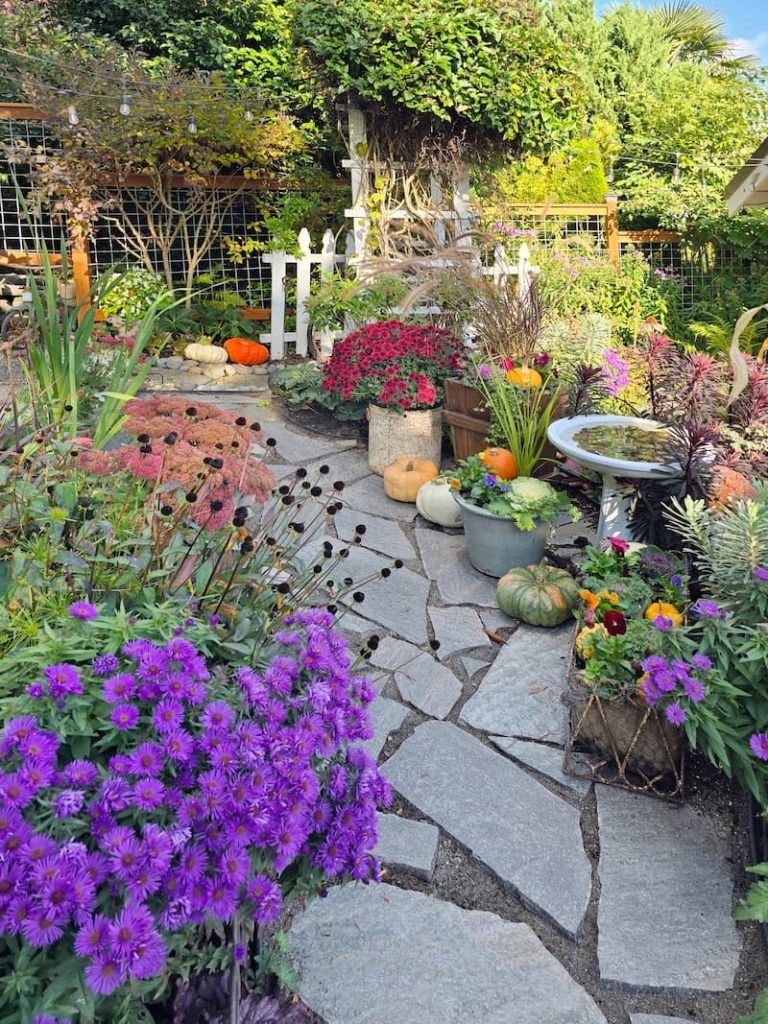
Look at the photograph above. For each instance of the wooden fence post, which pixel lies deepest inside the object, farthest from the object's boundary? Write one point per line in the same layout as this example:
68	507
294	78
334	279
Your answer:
612	228
81	274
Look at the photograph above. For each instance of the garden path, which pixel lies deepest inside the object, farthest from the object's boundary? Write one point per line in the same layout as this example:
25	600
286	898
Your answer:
513	894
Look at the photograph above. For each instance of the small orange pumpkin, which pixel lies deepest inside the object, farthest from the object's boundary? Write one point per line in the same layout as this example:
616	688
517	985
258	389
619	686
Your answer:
524	377
246	352
500	462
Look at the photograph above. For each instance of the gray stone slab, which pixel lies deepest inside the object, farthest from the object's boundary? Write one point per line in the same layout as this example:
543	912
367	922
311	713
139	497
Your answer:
652	1018
521	694
496	620
380	534
473	665
387	717
367	495
347	466
547	760
404	843
457	629
522	831
445	560
384	955
664	919
421	679
297	447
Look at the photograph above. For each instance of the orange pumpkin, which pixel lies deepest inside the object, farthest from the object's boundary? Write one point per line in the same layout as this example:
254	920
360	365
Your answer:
246	352
500	462
524	377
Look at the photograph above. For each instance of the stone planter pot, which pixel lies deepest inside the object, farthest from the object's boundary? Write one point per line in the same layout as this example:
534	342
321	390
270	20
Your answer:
495	545
394	435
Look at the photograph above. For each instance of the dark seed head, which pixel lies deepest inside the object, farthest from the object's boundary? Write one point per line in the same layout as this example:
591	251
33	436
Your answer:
217	505
166	510
143	438
324	470
145	449
191	497
271	442
256	426
398	563
298	527
360	528
288	499
386	572
247	546
332	608
338	485
316	491
241	421
283	588
171	438
358	596
373	642
301	472
191	410
435	645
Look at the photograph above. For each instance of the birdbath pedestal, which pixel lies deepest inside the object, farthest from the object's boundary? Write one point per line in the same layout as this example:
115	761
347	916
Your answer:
573	437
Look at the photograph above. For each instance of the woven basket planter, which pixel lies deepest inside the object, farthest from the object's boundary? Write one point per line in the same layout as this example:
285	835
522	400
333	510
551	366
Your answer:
394	435
620	741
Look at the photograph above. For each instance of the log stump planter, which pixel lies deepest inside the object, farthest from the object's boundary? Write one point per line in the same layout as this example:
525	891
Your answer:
467	417
393	435
620	741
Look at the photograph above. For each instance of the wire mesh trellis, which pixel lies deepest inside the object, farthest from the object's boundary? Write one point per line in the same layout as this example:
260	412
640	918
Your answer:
17	233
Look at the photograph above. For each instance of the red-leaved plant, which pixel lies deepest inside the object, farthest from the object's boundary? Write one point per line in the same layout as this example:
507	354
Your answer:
394	366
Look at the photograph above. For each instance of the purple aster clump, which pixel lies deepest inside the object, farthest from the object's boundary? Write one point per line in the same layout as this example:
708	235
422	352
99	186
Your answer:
615	371
104	664
83	610
204	799
759	745
665	684
708	610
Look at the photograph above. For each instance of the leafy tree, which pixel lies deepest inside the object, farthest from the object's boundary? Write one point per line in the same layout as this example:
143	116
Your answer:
184	133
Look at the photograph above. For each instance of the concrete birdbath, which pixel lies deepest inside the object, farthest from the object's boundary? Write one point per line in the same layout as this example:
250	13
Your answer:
618	448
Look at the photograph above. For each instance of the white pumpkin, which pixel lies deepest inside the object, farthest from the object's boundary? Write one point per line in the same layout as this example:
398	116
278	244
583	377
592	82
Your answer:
205	353
436	503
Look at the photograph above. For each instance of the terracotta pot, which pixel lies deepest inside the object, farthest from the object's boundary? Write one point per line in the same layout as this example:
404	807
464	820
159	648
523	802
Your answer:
393	435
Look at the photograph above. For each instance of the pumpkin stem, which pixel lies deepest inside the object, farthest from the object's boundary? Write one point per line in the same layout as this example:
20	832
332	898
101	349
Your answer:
409	468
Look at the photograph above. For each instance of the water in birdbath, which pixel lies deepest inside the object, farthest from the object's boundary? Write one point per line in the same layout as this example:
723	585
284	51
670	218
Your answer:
630	443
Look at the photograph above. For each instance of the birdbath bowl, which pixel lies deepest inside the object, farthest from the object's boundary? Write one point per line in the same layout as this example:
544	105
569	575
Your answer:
618	448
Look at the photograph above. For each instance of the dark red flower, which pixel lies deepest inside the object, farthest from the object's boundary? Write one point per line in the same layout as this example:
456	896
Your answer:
615	623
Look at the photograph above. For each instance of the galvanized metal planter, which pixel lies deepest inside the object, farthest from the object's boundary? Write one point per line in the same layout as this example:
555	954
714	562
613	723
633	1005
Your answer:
495	545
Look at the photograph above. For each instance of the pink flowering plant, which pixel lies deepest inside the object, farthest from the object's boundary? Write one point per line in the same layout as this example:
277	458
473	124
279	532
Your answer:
394	366
157	812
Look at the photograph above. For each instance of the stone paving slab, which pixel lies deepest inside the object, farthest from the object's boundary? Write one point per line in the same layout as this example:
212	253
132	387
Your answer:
521	694
652	1018
445	560
347	466
367	495
381	534
496	620
421	679
664	918
404	843
547	760
473	665
457	629
387	717
299	448
383	955
526	835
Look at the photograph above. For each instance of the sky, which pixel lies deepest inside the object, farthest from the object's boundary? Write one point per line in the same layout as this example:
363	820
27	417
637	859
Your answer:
745	20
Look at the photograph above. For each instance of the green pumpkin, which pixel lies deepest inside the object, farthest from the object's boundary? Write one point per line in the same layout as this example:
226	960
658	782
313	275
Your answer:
538	594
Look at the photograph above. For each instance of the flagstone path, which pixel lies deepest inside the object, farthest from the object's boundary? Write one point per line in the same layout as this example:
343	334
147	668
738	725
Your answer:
522	895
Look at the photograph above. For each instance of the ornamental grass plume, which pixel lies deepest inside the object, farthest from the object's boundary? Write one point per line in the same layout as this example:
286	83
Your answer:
201	448
143	811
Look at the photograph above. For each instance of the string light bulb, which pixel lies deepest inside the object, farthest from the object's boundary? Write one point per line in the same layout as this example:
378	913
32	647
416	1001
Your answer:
125	106
192	125
611	175
676	171
248	115
72	115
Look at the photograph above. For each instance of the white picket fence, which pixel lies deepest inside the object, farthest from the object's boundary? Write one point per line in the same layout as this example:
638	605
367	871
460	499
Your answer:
324	263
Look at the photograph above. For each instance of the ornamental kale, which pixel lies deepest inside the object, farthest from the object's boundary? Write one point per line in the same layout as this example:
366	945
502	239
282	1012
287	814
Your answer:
394	366
149	803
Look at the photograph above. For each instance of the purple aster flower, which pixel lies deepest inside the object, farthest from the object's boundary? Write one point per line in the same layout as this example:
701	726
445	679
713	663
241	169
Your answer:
39	928
178	745
761	574
135	648
707	610
148	794
759	745
147	759
655	664
149	958
662	623
81	773
39	746
104	974
675	714
67	803
83	610
124	716
63	680
681	669
46	1018
215	620
222	899
119	687
14	792
701	662
694	688
217	715
238	952
267	898
153	663
35	690
130	928
234	865
103	664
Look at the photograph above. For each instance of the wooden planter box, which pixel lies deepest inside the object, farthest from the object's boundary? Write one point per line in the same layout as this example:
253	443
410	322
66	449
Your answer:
466	417
622	742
